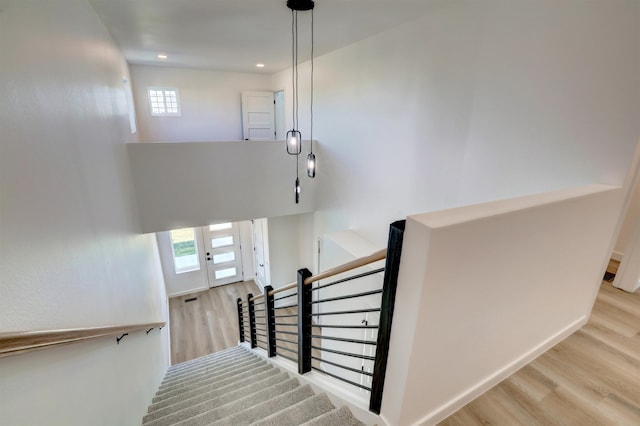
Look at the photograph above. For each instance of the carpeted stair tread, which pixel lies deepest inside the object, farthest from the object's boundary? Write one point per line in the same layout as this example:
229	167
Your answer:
206	359
248	401
340	416
206	362
210	373
267	408
213	356
197	396
197	389
207	379
202	368
235	387
230	397
299	413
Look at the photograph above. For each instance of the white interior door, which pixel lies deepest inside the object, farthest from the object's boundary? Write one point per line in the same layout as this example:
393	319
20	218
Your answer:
258	122
260	251
223	253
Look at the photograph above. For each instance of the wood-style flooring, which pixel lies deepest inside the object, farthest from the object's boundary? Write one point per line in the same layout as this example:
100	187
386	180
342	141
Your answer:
208	324
590	378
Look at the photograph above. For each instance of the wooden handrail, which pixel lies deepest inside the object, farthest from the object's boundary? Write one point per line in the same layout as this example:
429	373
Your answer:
345	267
27	341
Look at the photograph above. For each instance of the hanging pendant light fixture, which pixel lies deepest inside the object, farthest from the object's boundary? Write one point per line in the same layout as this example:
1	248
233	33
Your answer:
294	136
311	158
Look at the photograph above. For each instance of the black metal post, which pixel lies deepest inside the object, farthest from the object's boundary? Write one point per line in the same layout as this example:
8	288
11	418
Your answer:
304	322
390	283
270	317
252	321
240	319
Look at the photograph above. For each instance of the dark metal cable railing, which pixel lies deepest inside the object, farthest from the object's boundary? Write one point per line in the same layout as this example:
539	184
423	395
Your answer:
340	329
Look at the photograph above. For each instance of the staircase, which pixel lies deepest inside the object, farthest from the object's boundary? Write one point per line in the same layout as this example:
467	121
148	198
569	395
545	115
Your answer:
236	387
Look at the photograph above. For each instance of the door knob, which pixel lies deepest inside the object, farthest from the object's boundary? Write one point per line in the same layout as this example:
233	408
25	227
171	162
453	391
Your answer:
208	258
262	264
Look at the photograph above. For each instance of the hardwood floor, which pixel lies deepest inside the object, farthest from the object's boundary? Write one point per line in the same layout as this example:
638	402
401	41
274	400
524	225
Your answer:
591	378
208	324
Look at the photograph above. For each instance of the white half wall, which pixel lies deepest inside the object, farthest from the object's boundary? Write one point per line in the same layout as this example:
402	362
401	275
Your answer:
210	103
180	185
484	289
70	254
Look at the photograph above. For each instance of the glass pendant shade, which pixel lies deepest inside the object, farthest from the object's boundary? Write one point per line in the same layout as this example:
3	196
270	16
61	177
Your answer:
294	142
297	190
311	165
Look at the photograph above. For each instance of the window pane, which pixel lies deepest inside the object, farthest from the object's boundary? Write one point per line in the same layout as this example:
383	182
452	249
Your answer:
185	251
220	226
224	257
225	273
222	241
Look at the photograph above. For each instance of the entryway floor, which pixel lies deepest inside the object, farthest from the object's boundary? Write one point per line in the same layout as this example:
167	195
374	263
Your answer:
209	323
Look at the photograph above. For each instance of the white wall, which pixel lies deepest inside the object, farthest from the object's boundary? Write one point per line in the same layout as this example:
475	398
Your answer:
70	255
631	221
485	289
284	249
479	100
210	102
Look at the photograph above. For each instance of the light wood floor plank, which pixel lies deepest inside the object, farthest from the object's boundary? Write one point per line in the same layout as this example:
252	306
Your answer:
208	324
591	378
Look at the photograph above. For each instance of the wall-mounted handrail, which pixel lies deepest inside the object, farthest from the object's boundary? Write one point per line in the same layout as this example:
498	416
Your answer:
345	267
27	341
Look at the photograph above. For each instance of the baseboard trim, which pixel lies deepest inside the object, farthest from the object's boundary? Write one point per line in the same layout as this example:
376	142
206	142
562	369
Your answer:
472	393
184	293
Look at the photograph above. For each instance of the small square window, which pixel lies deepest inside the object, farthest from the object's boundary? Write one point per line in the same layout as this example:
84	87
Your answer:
164	101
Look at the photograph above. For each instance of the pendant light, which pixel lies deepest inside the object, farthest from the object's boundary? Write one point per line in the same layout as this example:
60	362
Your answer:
294	136
311	158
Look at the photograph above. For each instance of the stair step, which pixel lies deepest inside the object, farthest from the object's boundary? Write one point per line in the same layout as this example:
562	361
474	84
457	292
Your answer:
212	404
206	379
198	389
235	387
220	364
197	397
299	413
206	359
340	416
241	404
267	408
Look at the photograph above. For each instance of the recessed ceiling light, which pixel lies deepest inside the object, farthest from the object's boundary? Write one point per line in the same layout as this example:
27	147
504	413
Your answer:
162	56
260	65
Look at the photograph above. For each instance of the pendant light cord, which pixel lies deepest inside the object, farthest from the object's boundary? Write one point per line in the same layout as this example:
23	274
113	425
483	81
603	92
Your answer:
311	132
293	68
296	71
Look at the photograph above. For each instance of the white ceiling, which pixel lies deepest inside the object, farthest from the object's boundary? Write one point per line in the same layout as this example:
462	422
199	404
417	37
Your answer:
234	35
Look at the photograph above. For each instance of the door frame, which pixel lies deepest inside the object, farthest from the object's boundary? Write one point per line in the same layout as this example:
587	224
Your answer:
265	254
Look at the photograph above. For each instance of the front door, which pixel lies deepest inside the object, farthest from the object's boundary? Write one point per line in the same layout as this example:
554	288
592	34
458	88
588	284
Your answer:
223	253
